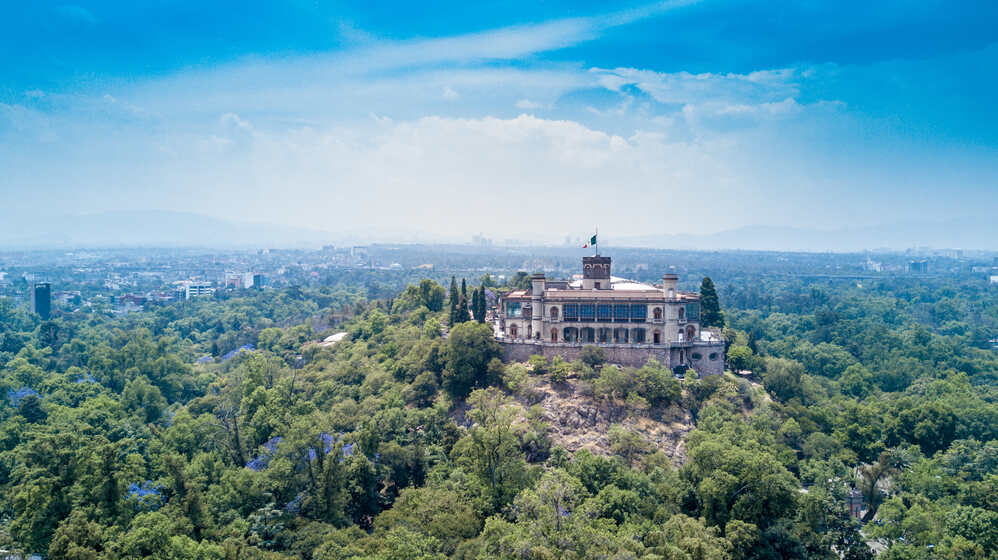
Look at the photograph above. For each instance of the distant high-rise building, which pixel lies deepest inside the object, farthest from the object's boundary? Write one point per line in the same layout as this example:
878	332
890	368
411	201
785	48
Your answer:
919	267
243	280
195	288
41	299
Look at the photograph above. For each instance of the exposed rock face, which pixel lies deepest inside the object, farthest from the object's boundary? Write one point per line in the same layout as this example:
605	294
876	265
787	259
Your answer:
578	421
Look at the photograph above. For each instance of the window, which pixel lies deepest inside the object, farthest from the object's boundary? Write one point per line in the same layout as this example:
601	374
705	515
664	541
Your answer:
588	334
571	311
604	335
713	356
682	314
639	312
691	333
554	313
604	312
658	314
657	337
697	356
621	312
620	336
514	309
596	285
639	336
512	331
554	335
587	312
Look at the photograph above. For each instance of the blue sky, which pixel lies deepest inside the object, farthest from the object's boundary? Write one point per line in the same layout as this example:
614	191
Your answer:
451	118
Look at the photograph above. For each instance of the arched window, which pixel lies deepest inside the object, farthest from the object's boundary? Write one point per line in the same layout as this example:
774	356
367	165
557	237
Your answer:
512	331
682	314
638	336
530	333
604	335
691	332
554	313
554	335
657	313
620	335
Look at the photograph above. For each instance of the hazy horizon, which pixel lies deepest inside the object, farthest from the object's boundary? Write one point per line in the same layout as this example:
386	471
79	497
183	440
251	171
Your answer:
684	118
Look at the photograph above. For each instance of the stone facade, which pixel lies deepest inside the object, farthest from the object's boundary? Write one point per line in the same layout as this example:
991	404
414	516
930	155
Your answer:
631	321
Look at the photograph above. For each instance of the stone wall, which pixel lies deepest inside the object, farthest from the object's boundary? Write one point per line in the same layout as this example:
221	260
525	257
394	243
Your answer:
629	355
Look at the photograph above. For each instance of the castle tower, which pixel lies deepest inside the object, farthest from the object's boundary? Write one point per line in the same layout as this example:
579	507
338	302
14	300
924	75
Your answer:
536	305
596	273
669	283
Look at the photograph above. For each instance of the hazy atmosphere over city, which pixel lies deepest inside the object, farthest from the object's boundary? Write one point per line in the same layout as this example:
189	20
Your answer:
519	280
434	122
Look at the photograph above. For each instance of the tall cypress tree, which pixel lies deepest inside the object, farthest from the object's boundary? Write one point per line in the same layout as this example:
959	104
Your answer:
453	299
482	305
474	304
710	307
461	312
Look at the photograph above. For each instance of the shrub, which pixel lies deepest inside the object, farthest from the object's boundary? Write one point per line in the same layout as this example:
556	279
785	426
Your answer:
538	364
514	376
593	356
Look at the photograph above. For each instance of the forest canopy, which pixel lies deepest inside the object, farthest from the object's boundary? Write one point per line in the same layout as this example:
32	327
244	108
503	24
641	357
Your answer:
222	429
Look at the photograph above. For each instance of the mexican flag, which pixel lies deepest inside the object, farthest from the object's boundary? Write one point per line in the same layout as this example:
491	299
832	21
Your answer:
592	241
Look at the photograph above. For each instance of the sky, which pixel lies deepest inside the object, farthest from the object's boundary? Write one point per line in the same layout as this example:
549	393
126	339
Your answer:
518	120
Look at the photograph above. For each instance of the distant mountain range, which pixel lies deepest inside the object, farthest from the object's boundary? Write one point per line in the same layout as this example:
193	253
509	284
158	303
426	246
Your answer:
981	234
155	228
150	228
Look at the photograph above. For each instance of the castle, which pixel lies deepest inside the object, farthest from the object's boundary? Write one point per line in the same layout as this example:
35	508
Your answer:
631	321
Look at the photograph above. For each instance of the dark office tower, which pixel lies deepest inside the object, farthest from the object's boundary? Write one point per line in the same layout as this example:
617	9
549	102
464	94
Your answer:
41	299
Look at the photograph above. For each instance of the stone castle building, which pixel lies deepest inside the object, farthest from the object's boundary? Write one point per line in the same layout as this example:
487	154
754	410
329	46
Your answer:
631	321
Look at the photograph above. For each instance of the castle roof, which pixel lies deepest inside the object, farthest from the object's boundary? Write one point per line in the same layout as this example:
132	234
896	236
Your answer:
617	283
620	289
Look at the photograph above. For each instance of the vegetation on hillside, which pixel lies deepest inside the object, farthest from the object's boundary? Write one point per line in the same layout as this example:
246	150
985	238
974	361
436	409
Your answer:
219	429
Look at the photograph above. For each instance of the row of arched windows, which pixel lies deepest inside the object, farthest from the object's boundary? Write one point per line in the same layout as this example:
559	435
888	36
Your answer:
605	335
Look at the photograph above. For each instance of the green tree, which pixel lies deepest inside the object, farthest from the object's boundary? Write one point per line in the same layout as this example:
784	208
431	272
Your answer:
710	306
30	408
491	447
593	356
469	349
438	512
144	398
732	482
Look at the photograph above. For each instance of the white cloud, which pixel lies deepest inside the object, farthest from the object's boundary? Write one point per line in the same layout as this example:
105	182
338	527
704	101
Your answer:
336	142
684	87
343	178
528	104
233	120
